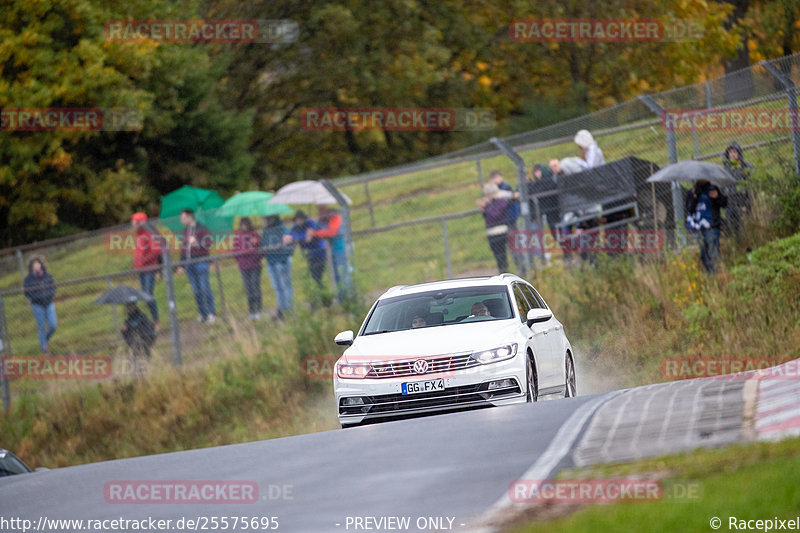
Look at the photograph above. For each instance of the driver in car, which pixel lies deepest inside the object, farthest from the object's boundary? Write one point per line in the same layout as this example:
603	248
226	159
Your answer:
418	321
479	309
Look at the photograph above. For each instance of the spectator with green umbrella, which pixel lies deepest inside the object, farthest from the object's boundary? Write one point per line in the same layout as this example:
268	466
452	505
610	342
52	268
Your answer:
248	257
279	258
203	202
196	244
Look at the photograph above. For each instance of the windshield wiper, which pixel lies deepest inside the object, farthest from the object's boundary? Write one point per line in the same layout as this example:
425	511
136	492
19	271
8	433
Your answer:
379	332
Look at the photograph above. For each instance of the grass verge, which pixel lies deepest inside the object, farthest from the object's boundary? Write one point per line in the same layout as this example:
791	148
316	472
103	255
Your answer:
743	482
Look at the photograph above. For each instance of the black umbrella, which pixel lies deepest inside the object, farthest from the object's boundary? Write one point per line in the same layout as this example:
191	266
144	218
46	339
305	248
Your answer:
692	171
122	295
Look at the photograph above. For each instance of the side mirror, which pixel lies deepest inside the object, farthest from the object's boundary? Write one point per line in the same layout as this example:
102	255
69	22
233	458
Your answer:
538	314
344	338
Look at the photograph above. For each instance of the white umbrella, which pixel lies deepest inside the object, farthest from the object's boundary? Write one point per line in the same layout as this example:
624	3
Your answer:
305	192
692	170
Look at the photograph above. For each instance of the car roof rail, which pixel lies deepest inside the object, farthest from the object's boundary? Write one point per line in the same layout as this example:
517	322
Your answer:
395	288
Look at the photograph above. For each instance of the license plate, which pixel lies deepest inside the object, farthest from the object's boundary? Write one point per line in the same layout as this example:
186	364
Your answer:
415	387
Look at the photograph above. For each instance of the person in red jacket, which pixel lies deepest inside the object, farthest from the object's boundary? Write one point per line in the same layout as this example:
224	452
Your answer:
147	258
332	230
245	244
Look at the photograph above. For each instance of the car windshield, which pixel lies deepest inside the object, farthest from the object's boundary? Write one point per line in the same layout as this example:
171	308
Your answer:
10	465
439	308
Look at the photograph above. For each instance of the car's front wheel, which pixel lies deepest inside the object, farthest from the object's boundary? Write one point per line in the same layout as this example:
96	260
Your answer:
570	386
532	379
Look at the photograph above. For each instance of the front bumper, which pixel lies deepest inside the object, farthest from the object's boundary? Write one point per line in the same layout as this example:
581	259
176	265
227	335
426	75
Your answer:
383	398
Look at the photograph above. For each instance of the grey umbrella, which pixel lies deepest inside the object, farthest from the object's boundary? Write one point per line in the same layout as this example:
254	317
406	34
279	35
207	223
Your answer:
305	192
123	294
692	170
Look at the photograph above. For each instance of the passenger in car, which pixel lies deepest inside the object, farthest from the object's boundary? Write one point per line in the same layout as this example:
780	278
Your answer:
418	321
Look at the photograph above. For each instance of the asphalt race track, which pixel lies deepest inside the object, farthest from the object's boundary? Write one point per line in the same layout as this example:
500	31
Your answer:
447	472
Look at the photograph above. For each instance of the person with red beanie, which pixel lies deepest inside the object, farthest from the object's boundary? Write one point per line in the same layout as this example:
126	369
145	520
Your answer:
147	258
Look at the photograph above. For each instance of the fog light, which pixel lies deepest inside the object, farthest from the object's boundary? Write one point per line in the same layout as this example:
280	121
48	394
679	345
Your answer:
501	384
354	401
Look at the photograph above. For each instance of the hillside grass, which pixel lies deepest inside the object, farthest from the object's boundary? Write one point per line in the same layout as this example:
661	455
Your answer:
748	482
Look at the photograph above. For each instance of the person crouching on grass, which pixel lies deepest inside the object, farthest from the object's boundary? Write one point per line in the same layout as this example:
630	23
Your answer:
138	331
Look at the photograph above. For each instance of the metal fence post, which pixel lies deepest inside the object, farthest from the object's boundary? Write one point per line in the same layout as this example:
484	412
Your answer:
21	261
480	172
524	208
221	291
791	98
174	326
672	152
448	262
5	348
369	205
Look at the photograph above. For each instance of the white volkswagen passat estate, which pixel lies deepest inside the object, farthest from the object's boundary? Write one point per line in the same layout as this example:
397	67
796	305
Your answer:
452	345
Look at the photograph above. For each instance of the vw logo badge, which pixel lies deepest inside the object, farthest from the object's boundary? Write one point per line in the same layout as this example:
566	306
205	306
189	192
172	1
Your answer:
420	366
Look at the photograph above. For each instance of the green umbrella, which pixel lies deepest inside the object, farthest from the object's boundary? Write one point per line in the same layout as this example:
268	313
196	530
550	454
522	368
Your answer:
203	202
252	203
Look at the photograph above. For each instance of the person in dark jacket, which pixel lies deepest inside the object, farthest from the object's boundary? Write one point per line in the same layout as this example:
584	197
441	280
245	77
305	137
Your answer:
138	331
313	247
703	203
279	262
248	256
494	206
147	258
512	214
40	289
196	244
739	199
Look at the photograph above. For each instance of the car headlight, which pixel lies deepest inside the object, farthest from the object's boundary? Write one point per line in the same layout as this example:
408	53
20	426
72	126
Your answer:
496	354
353	371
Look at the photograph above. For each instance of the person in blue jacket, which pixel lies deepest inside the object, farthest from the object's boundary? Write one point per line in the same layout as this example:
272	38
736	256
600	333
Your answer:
40	289
279	262
313	247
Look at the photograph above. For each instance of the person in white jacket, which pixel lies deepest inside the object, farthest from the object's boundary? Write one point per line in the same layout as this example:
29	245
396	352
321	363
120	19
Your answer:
591	154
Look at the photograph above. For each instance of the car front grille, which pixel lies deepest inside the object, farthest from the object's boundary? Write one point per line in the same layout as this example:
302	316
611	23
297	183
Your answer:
436	364
396	404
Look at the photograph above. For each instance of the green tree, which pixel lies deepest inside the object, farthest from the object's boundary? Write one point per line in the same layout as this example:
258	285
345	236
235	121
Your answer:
53	54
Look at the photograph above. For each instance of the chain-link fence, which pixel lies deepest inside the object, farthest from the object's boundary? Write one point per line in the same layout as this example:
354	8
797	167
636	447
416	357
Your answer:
421	222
